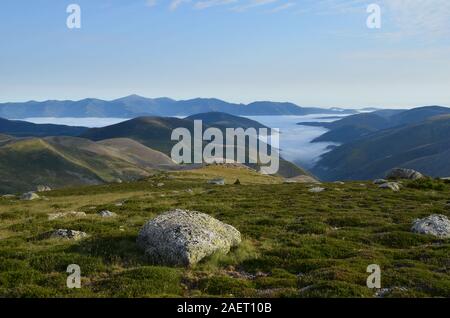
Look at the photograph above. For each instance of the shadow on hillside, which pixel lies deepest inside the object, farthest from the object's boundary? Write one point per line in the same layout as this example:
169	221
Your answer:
112	249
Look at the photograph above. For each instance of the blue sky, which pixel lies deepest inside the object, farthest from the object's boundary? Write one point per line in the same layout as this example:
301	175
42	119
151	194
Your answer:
311	52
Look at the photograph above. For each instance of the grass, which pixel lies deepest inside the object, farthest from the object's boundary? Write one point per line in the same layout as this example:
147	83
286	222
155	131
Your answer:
296	243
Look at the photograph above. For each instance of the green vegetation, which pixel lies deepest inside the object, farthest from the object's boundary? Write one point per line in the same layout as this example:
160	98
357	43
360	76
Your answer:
295	243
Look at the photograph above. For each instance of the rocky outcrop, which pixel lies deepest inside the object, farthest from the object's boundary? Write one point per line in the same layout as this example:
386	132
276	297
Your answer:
394	186
436	225
29	196
401	173
182	237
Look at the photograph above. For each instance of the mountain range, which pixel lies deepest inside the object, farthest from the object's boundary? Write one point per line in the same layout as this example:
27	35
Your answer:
134	106
374	143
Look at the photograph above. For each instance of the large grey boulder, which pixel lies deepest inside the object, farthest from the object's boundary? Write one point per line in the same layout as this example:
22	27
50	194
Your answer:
29	196
401	173
436	224
182	237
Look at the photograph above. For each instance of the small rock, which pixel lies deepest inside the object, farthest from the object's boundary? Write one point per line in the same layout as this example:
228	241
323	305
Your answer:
29	196
160	185
54	216
394	186
182	237
436	225
302	179
106	214
65	234
219	181
401	173
8	196
383	292
339	182
237	182
316	190
43	188
380	181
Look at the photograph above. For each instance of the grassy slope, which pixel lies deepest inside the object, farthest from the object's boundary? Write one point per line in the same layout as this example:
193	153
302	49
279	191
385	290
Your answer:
63	161
301	244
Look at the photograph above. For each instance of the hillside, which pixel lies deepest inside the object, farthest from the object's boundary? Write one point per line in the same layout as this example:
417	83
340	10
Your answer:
135	106
358	126
24	129
155	132
226	120
295	243
69	161
422	146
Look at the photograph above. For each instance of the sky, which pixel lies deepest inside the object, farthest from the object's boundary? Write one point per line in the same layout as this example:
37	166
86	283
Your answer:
310	52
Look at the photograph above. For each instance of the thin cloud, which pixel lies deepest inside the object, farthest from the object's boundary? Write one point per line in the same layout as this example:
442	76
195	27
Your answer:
283	7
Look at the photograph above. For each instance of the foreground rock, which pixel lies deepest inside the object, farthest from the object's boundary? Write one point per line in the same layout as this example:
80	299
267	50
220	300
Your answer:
29	196
182	237
65	234
401	173
60	215
43	188
436	224
394	186
380	181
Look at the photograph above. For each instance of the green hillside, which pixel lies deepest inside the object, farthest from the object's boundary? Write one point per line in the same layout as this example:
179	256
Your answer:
69	161
415	146
295	243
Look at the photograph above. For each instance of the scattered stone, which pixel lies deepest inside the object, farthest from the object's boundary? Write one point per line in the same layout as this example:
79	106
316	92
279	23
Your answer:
182	237
65	234
219	181
190	191
394	186
119	203
117	180
437	225
8	196
106	214
29	196
339	182
160	184
380	181
316	190
54	216
401	173
43	188
302	179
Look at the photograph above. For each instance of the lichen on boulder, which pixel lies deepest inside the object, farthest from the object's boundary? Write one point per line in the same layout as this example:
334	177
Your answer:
182	237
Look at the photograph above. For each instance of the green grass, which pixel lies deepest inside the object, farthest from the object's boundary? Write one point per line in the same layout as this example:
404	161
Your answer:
296	243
